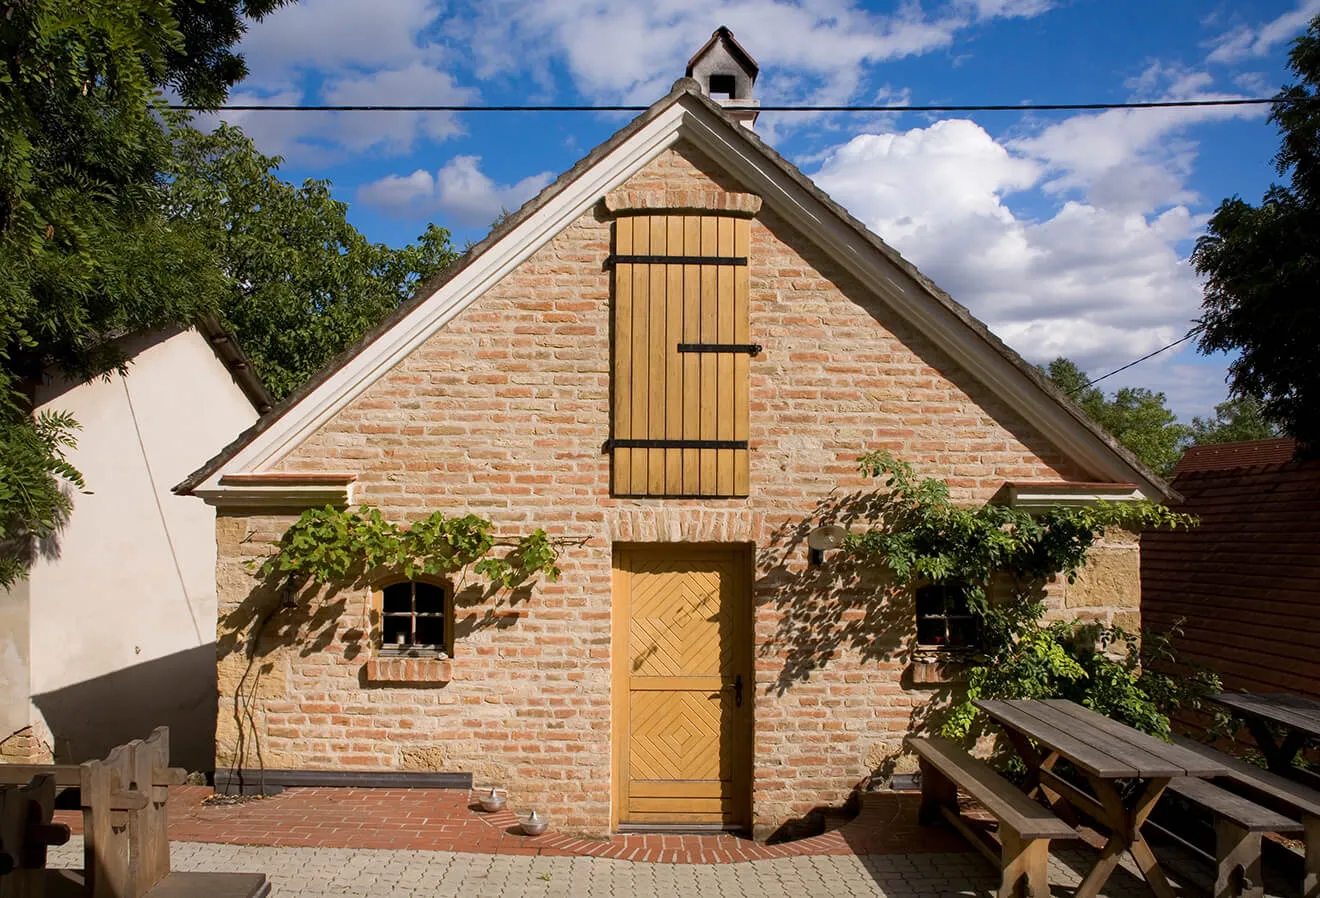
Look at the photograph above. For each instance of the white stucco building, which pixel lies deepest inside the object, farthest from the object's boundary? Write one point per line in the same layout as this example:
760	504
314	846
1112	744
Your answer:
113	633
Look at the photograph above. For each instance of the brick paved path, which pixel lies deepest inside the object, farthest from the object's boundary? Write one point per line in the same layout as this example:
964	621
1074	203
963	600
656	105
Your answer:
451	820
338	872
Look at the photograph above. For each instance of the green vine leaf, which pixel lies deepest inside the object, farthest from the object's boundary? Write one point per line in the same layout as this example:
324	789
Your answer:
922	537
329	545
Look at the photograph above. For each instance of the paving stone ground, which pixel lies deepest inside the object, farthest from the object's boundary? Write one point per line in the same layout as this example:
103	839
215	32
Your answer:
387	873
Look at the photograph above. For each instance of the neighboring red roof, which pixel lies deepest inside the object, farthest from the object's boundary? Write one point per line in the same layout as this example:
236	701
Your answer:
1247	454
1246	582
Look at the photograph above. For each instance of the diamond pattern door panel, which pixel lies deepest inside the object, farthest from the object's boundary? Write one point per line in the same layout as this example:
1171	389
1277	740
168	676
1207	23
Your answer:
683	623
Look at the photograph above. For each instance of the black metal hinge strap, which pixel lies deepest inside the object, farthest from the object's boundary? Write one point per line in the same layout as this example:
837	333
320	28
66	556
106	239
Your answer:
675	444
675	260
749	348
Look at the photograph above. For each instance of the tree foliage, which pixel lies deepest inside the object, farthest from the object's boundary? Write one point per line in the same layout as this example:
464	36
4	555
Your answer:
1237	419
301	283
1001	557
86	252
1262	263
1138	418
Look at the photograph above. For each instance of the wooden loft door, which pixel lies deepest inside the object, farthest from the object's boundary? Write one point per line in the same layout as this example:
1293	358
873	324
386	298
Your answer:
681	356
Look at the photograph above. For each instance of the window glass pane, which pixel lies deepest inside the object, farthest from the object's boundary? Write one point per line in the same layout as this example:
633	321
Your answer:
430	599
396	630
397	598
962	632
431	631
930	631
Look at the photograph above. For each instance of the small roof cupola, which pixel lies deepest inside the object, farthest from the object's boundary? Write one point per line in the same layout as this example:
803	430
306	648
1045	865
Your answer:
726	73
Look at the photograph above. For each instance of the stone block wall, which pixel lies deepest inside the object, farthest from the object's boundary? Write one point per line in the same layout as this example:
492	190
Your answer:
503	413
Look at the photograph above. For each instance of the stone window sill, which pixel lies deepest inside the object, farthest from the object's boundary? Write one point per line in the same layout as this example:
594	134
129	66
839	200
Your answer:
935	667
409	670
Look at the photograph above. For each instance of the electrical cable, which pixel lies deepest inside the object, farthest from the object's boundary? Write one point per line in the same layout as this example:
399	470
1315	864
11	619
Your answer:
996	107
1150	355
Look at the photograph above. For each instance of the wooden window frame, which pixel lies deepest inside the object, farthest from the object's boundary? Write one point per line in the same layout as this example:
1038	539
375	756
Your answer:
408	650
945	593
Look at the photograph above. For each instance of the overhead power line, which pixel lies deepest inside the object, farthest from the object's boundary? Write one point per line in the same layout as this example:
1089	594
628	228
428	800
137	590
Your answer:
996	107
1150	355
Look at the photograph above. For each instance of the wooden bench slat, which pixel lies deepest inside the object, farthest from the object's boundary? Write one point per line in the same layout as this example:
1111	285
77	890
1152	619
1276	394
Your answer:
1000	797
69	776
1245	813
1303	799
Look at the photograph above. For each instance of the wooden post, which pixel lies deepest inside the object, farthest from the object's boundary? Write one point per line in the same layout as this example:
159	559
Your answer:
149	843
937	791
1024	866
1237	858
105	828
126	849
25	832
1311	877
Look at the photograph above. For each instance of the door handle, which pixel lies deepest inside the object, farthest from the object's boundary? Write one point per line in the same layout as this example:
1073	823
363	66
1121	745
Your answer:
737	691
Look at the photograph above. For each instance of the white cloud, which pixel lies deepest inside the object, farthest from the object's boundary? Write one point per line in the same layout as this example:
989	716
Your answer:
632	52
328	35
416	85
324	137
460	194
1244	41
1132	160
1099	285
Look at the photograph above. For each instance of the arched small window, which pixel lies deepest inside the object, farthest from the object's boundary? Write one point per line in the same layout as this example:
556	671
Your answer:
416	618
944	620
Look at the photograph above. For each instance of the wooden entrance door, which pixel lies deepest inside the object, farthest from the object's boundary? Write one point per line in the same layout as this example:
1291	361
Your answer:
682	685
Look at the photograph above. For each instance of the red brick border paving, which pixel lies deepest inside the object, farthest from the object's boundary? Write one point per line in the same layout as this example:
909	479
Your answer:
451	820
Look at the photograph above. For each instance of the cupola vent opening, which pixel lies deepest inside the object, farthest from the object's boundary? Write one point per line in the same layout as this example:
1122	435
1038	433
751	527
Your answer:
726	73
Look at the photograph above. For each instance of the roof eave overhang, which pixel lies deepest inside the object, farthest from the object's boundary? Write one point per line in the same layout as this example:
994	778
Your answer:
687	115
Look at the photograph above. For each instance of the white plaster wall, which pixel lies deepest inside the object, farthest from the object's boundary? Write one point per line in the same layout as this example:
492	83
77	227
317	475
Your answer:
126	612
14	676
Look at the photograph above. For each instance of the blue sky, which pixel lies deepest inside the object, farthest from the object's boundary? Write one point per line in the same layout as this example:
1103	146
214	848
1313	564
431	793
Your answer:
1068	233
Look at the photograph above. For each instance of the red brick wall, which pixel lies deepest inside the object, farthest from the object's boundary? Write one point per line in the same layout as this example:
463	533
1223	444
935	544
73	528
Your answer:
504	412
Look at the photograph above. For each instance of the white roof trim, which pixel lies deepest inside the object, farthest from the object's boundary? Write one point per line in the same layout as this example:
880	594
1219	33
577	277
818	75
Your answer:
910	299
1052	495
285	496
350	381
687	118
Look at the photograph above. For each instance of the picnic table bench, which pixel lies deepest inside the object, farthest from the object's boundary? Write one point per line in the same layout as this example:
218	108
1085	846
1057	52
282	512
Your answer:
1291	799
126	849
1025	827
1103	752
1299	718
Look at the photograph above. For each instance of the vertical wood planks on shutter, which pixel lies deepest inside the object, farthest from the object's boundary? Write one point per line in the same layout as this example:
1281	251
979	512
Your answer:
655	461
623	340
691	360
673	360
641	360
724	412
709	365
741	334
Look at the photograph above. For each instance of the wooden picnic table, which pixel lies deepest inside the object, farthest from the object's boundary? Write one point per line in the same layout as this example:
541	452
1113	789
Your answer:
1103	751
1299	717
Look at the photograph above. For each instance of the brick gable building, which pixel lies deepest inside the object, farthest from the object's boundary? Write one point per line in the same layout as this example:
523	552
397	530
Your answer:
671	357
